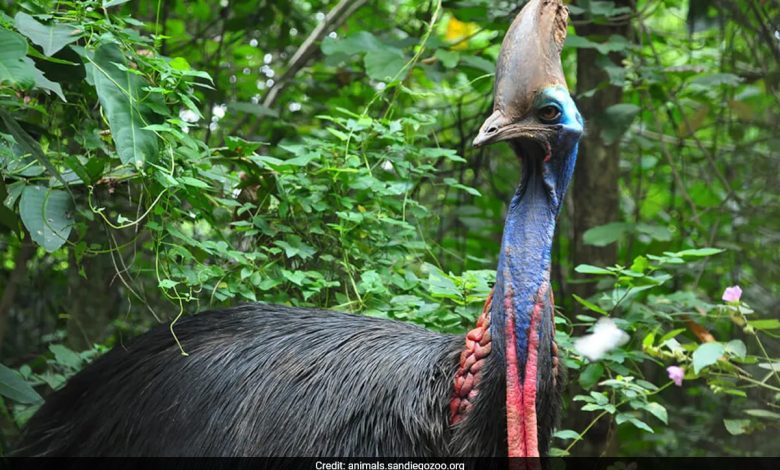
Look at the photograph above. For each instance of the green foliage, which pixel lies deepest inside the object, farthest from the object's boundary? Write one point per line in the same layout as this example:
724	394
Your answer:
178	150
660	321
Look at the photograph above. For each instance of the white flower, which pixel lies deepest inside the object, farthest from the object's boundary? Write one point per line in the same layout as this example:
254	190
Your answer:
606	337
294	107
188	115
387	165
219	110
253	42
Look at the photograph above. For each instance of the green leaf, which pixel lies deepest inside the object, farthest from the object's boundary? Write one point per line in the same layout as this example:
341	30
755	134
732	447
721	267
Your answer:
641	425
604	235
699	252
656	232
717	79
737	348
47	215
588	269
640	264
295	247
13	386
567	434
119	92
735	427
179	63
763	414
479	63
671	335
194	182
615	43
591	375
771	324
438	152
167	284
706	355
556	452
658	411
449	59
16	68
440	285
384	64
589	305
112	3
452	182
66	357
47	85
361	41
51	38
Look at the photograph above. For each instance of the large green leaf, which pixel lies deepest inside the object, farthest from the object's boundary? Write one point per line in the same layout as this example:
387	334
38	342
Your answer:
706	355
384	64
48	216
382	61
51	38
45	84
658	411
15	67
736	427
14	387
591	375
604	235
19	70
119	92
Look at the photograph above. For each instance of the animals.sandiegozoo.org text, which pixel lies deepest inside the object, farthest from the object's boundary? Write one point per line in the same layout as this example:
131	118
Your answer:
376	465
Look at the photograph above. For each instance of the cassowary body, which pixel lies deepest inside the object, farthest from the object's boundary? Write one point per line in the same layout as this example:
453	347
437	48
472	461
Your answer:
264	380
277	381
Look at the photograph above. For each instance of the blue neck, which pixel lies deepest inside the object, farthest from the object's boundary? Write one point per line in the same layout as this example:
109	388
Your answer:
524	263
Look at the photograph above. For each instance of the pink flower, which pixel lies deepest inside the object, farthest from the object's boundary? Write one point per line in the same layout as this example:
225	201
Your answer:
676	374
732	294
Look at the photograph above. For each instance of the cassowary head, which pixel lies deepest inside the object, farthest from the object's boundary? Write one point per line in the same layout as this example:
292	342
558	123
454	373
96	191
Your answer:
532	108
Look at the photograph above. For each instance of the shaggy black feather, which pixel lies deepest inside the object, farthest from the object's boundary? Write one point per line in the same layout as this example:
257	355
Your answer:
275	381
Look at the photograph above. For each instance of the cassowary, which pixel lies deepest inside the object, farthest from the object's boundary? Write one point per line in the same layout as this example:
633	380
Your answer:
264	380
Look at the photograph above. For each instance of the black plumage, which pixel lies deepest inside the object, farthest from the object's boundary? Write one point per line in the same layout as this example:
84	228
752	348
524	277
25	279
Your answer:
268	380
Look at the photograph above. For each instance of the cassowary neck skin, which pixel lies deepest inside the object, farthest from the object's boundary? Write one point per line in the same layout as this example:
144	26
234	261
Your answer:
521	313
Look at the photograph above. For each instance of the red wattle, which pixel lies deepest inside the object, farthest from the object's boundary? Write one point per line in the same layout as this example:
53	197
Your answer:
529	386
514	394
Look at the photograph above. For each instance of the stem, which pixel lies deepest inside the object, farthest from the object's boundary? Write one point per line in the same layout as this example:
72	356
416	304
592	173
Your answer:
601	415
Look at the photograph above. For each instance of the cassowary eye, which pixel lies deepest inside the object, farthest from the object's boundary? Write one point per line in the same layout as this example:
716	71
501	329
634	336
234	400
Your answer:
549	114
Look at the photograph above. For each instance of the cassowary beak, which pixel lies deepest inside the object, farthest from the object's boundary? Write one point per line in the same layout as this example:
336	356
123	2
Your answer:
528	63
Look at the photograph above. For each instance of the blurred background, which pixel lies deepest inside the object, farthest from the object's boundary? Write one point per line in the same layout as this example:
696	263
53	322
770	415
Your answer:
319	153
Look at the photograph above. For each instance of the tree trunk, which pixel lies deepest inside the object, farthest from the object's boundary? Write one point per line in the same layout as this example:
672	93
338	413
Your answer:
596	179
25	251
595	192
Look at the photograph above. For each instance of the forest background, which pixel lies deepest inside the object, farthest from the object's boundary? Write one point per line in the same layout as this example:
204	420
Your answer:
160	158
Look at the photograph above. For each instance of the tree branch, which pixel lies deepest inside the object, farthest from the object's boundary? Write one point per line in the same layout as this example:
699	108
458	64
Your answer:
335	18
